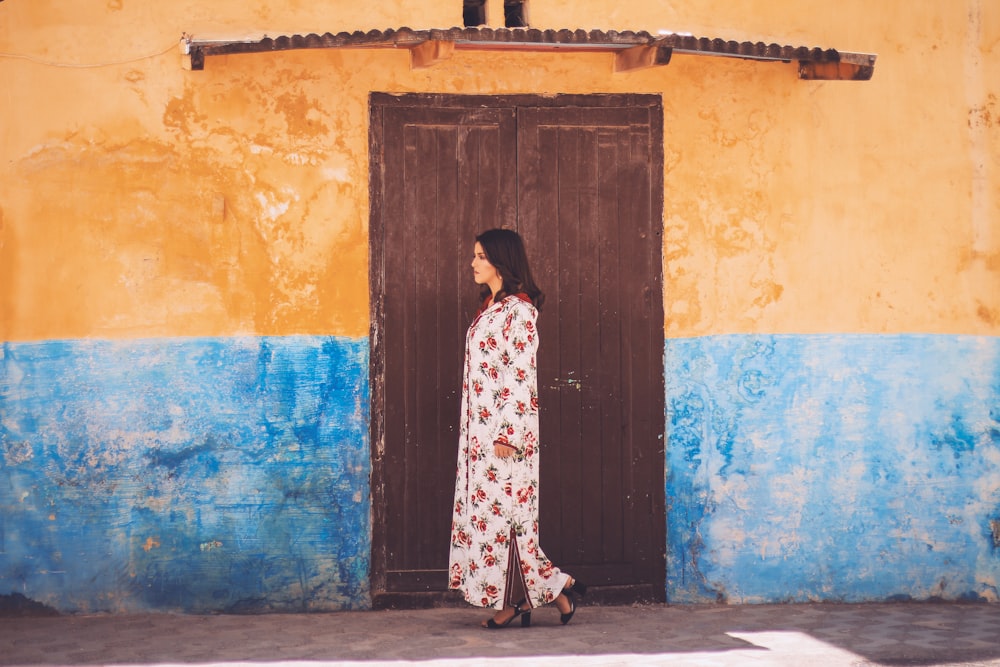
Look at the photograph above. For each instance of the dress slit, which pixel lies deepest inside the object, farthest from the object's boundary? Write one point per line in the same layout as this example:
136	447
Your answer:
514	569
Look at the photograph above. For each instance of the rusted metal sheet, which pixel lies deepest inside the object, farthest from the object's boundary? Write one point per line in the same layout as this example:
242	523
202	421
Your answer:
860	65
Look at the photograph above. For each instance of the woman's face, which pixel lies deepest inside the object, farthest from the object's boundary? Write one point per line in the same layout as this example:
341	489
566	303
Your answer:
483	272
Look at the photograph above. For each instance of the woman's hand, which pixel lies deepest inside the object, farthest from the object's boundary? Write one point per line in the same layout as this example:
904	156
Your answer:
503	450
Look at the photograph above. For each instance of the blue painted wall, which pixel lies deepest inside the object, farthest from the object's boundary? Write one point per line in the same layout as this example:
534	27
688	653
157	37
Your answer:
232	474
186	474
844	468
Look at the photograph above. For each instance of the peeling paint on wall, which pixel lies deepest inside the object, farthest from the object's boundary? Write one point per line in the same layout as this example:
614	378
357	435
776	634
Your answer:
231	473
832	467
189	474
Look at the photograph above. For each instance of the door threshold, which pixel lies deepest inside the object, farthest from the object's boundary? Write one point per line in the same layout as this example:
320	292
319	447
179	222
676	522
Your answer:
609	596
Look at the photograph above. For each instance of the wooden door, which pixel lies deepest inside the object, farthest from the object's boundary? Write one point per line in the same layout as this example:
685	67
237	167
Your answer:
580	177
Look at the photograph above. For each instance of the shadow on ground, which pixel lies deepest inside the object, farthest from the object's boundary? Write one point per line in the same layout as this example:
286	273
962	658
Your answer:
811	634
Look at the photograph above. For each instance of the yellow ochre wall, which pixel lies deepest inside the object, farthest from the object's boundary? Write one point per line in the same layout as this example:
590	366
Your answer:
139	199
184	316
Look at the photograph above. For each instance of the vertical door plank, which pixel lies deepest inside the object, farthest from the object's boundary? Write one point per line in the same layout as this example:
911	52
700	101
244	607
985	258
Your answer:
567	207
588	271
610	370
538	224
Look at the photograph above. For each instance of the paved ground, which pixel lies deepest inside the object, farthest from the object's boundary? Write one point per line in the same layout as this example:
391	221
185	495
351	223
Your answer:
818	635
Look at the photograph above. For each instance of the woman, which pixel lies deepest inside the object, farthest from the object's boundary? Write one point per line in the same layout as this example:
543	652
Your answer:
494	534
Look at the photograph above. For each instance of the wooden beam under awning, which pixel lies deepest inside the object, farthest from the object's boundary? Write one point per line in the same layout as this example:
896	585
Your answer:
631	50
641	57
430	53
846	69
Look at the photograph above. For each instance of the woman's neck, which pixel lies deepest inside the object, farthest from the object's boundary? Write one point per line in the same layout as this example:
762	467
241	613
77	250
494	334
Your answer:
495	286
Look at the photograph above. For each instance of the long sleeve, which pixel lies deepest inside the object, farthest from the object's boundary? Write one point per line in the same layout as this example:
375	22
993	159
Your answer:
516	397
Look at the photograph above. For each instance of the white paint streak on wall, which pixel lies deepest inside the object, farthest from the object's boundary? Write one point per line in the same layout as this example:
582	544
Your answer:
338	174
271	206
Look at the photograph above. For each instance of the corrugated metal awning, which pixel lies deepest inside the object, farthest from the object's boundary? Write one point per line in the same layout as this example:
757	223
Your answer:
632	50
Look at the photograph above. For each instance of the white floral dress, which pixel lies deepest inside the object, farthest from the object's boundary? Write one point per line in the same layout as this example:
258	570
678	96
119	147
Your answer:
495	522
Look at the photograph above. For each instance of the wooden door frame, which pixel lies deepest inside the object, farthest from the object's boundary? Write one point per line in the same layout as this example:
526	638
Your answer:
378	102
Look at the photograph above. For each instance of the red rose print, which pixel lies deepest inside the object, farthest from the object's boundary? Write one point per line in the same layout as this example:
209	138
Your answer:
499	405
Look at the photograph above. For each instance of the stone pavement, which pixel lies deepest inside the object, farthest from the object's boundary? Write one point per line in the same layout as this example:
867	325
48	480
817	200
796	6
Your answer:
818	635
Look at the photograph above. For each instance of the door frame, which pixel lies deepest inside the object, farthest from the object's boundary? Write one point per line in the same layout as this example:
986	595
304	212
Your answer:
378	102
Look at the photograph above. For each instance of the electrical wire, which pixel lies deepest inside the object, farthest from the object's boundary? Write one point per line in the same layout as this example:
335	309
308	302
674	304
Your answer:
51	63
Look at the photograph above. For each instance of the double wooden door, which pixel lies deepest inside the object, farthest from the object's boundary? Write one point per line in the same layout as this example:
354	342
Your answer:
580	178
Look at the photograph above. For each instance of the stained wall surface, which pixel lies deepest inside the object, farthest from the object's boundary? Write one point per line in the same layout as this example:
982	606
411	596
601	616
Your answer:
184	390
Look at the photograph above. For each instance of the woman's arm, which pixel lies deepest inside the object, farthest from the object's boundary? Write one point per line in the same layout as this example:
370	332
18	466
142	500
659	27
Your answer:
517	399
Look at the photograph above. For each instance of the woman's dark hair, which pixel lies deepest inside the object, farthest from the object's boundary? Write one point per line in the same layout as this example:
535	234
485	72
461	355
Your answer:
505	251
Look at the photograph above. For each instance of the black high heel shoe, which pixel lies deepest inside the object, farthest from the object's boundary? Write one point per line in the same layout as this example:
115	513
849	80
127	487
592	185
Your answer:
578	588
525	615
